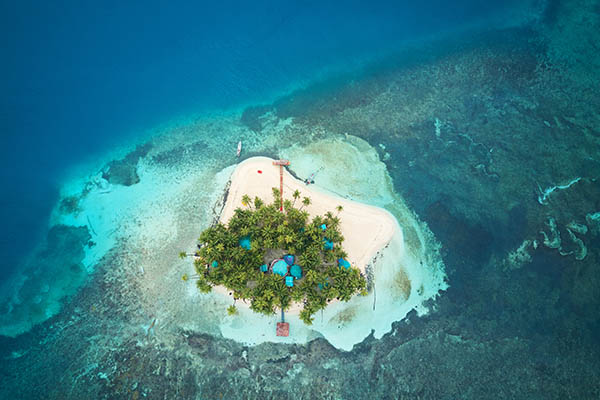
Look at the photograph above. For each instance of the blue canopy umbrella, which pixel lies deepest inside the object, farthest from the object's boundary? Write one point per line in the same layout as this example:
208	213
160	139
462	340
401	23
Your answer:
264	268
296	271
289	259
245	242
289	281
327	244
343	263
280	268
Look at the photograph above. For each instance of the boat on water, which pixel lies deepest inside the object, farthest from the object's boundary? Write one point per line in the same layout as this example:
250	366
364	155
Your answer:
311	178
239	148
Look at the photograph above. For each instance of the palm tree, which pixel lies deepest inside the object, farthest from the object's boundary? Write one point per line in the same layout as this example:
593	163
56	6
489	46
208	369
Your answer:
231	310
305	202
183	254
296	196
339	209
246	200
186	277
276	198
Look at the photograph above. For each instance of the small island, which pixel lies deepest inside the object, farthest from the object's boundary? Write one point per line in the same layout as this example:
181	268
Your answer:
273	255
301	250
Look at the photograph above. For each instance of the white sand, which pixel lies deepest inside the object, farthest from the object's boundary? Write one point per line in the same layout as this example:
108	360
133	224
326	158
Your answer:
366	229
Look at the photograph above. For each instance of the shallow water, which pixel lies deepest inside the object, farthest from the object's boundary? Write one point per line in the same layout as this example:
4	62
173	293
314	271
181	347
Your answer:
120	126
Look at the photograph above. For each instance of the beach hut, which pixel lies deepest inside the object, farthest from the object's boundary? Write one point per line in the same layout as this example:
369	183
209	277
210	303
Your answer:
343	263
327	244
245	242
289	281
280	268
296	271
289	259
264	268
214	264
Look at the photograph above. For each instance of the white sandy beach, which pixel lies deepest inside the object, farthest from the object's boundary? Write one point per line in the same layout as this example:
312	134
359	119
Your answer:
366	229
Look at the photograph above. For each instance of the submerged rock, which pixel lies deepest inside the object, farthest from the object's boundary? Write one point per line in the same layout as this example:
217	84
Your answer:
124	171
553	239
576	227
581	250
593	221
521	256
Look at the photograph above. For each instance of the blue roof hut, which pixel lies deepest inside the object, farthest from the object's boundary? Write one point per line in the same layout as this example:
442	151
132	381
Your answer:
343	263
296	271
289	259
245	242
264	268
289	281
327	244
280	268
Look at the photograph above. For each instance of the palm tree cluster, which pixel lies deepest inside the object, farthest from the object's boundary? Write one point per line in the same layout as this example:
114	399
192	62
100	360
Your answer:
221	260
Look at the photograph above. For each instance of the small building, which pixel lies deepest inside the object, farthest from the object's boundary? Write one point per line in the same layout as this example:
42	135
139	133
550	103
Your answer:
264	268
280	267
289	281
343	263
245	243
289	259
296	271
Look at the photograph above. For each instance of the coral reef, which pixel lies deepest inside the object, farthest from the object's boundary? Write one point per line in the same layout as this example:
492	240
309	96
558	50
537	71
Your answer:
124	171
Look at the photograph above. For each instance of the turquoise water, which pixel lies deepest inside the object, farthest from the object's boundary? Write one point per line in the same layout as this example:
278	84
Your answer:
475	110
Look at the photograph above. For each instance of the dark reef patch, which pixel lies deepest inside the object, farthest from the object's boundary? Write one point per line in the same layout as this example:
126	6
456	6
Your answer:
124	171
251	117
461	240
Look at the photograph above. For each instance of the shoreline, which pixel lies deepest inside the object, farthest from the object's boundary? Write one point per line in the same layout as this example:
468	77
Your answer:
361	220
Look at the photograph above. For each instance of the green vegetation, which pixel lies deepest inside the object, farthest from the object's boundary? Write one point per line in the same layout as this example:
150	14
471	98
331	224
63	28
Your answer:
231	310
222	261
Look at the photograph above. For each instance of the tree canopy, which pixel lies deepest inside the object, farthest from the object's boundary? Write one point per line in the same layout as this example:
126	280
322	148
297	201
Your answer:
272	233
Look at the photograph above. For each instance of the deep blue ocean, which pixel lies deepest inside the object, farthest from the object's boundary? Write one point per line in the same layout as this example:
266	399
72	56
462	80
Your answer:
80	77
